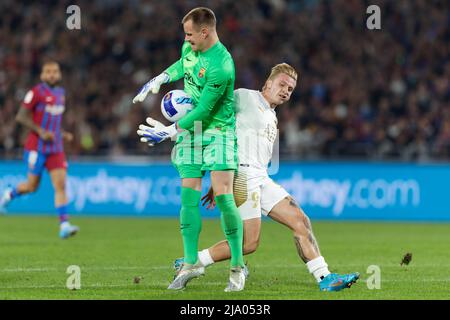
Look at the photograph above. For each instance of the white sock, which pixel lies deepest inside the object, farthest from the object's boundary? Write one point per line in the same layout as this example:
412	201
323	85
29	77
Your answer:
318	267
64	224
205	258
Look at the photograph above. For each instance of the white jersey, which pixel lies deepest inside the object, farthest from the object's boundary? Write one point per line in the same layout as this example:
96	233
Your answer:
256	129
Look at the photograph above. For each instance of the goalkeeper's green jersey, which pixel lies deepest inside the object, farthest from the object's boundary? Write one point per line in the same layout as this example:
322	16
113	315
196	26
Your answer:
209	80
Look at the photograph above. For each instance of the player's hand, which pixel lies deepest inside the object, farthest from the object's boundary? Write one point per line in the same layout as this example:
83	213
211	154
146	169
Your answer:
46	135
156	132
67	136
153	86
208	199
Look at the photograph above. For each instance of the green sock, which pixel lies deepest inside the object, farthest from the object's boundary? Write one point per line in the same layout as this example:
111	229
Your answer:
190	223
232	226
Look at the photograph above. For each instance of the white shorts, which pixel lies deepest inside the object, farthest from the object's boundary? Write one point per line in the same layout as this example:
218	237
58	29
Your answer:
256	193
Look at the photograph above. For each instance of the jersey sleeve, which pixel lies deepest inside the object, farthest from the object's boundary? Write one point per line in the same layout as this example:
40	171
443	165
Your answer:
176	70
215	86
237	105
31	99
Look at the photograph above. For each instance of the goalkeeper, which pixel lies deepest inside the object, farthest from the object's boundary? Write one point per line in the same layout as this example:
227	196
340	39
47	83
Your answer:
208	71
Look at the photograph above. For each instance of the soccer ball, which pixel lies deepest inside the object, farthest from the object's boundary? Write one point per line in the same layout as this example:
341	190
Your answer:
175	105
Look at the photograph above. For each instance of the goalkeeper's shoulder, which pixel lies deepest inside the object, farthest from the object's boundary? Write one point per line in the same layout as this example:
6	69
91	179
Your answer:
227	61
223	68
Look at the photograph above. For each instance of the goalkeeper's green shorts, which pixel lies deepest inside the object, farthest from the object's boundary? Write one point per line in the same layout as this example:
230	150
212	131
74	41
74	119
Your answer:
215	150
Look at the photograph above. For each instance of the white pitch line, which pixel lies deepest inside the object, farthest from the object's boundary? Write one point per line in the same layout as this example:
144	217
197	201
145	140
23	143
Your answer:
164	285
28	269
84	269
251	266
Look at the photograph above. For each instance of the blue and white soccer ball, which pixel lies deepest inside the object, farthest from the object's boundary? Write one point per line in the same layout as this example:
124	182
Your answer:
175	105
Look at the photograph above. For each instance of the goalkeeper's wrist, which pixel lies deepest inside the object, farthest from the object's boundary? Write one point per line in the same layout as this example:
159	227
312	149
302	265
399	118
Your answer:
174	130
165	78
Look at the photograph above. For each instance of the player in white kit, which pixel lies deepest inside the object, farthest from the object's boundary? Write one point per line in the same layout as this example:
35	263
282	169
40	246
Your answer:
256	193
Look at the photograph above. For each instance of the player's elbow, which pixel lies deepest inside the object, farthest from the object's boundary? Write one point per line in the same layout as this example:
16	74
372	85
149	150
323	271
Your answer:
19	118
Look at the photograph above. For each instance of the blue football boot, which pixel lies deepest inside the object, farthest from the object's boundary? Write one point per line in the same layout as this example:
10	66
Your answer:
337	282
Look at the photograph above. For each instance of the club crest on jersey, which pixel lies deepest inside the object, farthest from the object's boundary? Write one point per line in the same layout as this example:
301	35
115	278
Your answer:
49	99
201	73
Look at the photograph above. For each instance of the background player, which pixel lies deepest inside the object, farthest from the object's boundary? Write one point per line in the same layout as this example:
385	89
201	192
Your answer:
41	112
208	71
254	191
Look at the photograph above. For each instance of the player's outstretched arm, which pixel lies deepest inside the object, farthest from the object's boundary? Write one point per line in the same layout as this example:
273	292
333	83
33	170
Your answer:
173	73
152	86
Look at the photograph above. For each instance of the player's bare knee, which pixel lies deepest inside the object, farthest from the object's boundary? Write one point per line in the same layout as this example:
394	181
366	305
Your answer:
32	186
250	246
302	225
223	189
60	186
222	183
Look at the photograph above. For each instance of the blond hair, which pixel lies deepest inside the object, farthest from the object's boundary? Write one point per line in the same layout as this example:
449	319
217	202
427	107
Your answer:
201	16
283	68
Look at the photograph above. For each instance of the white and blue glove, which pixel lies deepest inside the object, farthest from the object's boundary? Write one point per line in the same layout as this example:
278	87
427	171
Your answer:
156	132
153	86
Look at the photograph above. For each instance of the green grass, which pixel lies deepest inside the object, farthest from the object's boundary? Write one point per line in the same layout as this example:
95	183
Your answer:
111	252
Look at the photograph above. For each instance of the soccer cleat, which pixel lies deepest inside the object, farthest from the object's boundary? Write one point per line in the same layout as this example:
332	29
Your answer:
246	271
5	199
237	280
337	282
178	263
186	274
67	230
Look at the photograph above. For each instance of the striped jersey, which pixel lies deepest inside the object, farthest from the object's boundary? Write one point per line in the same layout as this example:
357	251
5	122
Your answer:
47	105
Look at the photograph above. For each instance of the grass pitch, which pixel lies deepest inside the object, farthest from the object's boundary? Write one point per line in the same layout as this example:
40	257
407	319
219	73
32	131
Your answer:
131	258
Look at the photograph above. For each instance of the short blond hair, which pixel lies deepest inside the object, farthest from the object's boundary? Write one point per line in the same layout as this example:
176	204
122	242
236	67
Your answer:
201	16
283	68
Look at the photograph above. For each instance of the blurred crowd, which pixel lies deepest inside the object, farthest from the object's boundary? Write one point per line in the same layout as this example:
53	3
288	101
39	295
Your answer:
368	94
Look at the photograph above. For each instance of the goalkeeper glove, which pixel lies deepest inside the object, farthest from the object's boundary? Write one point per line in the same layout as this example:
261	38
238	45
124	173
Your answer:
156	132
153	86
